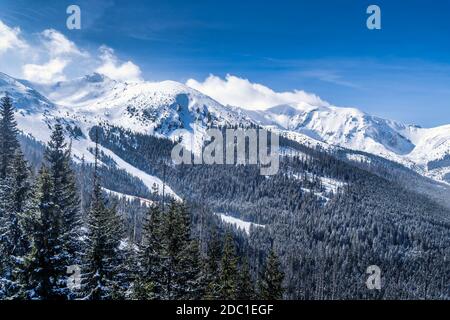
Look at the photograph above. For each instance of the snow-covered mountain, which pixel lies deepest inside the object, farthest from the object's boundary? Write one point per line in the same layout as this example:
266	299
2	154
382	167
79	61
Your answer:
425	150
26	98
150	107
161	108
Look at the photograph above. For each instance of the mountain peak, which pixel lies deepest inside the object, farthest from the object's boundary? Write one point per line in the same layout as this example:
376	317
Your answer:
163	107
284	109
95	77
23	95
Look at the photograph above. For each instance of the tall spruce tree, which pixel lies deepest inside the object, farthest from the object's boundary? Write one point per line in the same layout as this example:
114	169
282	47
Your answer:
14	197
181	271
246	290
148	285
193	265
44	265
8	136
129	272
228	278
271	284
212	266
6	239
22	201
21	184
58	158
14	203
102	255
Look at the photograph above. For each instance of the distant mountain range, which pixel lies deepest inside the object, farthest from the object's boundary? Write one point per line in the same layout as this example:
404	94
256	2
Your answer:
160	108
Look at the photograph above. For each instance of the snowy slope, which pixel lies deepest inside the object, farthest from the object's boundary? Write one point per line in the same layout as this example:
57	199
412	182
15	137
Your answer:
127	197
425	150
163	108
345	127
36	115
26	99
238	223
159	108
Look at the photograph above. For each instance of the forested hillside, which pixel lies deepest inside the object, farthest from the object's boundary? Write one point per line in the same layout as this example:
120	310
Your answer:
326	236
61	238
315	226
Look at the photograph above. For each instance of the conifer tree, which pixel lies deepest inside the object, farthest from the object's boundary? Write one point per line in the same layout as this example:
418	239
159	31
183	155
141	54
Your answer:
20	182
45	269
214	254
228	278
52	222
14	203
246	289
8	136
129	273
102	255
195	278
22	201
181	271
148	284
14	197
271	284
58	158
6	238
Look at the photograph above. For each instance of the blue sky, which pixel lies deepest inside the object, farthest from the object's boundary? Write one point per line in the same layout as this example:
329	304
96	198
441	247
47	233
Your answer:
400	72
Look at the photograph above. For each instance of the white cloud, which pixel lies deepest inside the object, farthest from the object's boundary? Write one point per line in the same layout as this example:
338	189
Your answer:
241	92
49	56
10	38
114	69
60	53
58	45
47	73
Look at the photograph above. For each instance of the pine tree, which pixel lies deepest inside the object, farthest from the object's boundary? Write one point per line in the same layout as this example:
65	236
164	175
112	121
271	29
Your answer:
53	222
270	287
214	254
14	202
195	278
102	255
8	136
44	265
21	182
6	238
14	197
129	273
246	289
148	285
180	265
228	278
21	197
58	158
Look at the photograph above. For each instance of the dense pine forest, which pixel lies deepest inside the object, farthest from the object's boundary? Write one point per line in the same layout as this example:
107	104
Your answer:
63	237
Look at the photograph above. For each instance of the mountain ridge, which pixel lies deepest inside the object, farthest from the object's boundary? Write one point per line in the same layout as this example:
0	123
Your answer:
162	108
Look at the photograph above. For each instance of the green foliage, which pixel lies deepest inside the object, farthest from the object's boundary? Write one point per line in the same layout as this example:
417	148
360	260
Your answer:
228	278
8	135
44	264
271	283
102	255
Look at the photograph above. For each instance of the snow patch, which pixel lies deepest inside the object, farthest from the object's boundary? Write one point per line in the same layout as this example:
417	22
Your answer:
357	157
238	223
331	185
142	201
